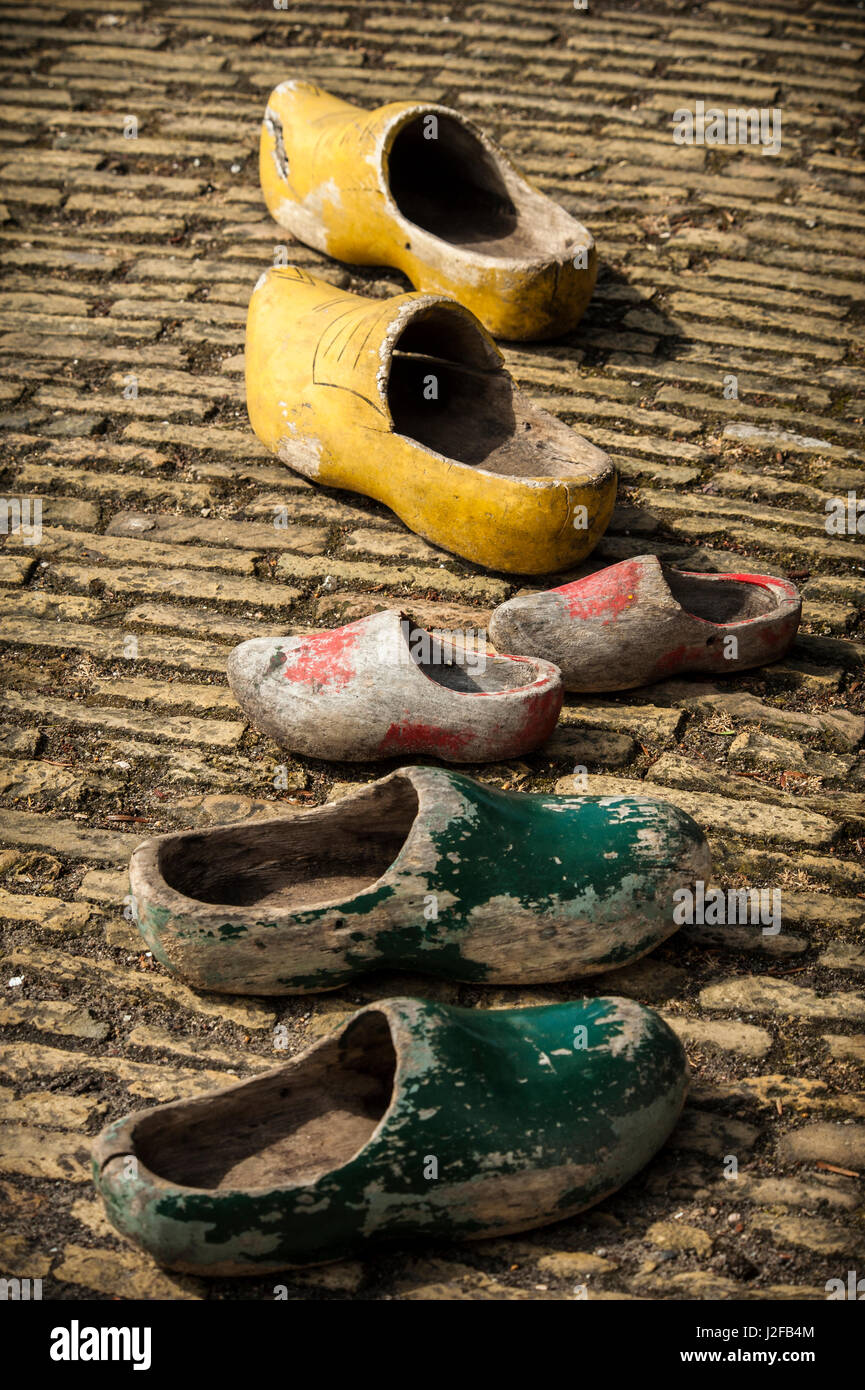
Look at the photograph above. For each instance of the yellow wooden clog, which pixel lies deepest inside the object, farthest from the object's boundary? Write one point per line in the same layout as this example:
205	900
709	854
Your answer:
421	188
407	400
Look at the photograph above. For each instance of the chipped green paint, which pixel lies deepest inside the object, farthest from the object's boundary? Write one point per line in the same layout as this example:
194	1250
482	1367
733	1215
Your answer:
526	889
152	921
526	1126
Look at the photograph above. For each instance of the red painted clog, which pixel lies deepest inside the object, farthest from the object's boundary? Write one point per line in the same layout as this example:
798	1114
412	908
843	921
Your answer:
641	621
383	687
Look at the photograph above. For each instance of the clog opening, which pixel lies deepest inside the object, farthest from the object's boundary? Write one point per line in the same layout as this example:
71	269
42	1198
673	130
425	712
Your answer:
446	390
298	863
443	179
288	1127
461	662
719	600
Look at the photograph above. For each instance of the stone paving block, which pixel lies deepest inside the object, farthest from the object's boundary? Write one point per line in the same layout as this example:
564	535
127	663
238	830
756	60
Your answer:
577	1265
107	1272
842	1145
211	733
21	780
51	914
68	968
235	443
14	570
215	624
826	909
846	1047
112	644
846	957
389	545
154	583
33	1152
645	721
54	1016
671	1235
173	407
741	1038
122	485
765	995
787	1095
245	535
586	747
819	1193
103	886
484	588
24	741
57	543
64	837
711	1134
52	1110
752	751
203	699
812	1233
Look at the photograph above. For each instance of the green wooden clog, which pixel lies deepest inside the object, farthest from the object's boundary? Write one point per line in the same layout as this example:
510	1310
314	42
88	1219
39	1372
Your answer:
425	870
412	1119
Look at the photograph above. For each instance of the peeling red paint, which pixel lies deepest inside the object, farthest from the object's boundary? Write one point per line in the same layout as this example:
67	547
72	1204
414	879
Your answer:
540	718
764	581
604	595
781	633
324	659
409	737
679	658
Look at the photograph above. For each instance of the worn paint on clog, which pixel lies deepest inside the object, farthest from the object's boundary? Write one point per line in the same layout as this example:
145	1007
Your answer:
476	885
360	694
642	621
407	400
464	1123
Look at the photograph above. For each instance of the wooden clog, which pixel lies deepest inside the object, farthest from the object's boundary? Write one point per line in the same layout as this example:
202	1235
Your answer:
421	188
411	1120
407	400
425	870
642	621
357	694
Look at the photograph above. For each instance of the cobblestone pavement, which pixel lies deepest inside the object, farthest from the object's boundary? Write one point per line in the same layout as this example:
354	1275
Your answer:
127	256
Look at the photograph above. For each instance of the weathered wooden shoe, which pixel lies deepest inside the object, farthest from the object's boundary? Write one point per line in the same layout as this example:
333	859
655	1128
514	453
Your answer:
411	1120
383	687
642	621
421	188
407	400
425	870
